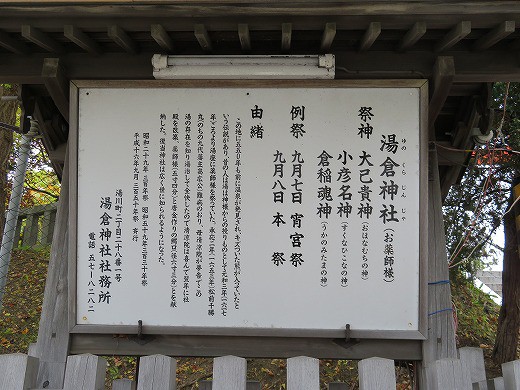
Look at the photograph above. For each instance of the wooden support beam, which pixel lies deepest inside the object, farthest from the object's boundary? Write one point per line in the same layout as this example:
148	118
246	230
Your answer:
119	36
412	36
53	333
443	74
373	31
41	39
286	37
57	84
457	33
495	35
161	36
243	36
328	36
74	34
203	37
12	44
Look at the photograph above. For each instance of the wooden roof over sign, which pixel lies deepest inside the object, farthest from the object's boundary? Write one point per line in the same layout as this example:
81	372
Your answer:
458	45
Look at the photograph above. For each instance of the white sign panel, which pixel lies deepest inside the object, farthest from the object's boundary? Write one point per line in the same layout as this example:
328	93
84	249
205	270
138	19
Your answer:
287	208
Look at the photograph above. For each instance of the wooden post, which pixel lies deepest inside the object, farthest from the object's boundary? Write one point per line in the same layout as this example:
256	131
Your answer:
448	374
48	220
496	384
338	386
18	371
229	373
123	384
441	330
250	385
472	360
30	232
157	372
53	335
511	372
303	373
376	374
86	372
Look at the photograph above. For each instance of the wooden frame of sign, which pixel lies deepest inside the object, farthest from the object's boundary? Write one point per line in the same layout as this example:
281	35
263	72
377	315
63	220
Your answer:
345	341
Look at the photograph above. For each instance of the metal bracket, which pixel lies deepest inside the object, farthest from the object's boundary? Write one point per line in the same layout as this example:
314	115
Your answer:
140	338
348	341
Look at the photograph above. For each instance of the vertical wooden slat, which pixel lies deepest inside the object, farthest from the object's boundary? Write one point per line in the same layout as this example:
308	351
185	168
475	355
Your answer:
229	373
376	374
286	37
303	373
30	232
205	385
338	386
373	31
48	221
157	372
511	374
18	232
448	374
328	36
123	384
496	384
482	385
472	360
18	371
86	372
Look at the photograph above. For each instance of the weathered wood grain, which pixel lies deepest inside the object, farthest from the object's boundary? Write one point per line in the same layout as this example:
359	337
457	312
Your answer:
286	37
376	374
496	35
18	371
86	372
56	81
41	39
448	374
329	33
157	372
511	375
472	360
303	373
53	336
229	373
123	384
456	34
412	36
244	37
122	39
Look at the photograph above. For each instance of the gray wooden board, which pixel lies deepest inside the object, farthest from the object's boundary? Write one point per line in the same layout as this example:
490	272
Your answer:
303	373
229	373
511	374
17	371
376	374
448	374
86	372
260	347
123	384
157	372
472	360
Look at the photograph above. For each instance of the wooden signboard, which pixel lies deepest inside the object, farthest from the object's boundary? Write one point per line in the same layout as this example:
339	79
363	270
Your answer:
249	209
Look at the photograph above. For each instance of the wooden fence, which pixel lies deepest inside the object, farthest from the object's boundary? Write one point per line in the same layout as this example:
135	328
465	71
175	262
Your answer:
35	226
157	372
